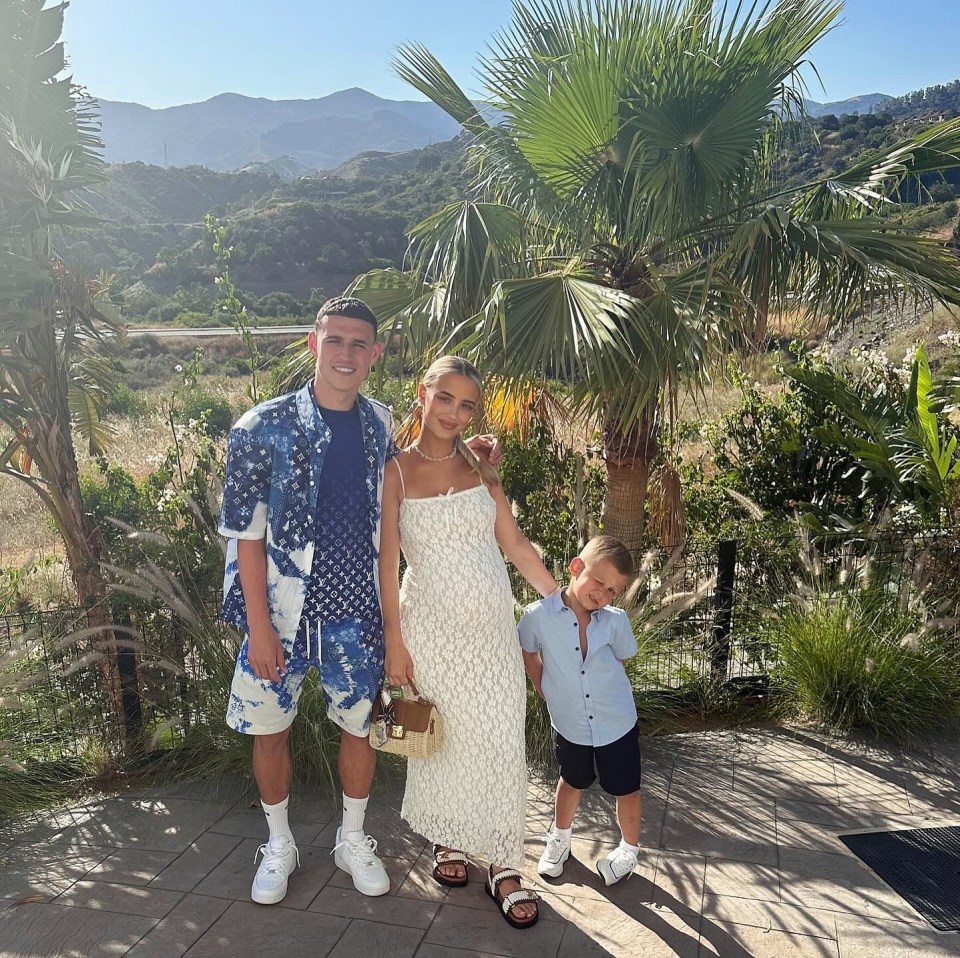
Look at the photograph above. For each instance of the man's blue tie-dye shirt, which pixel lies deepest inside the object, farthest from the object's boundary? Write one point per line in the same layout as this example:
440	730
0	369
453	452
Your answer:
275	455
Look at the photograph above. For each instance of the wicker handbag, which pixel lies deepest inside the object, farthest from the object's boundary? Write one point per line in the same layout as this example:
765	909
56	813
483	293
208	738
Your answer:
409	725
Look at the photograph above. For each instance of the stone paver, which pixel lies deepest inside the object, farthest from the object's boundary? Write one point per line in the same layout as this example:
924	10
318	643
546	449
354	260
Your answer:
131	866
196	861
52	930
44	870
171	937
745	941
246	929
858	938
739	859
122	899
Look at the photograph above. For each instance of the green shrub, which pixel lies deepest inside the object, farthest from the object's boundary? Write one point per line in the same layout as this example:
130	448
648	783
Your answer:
857	659
554	505
127	402
197	404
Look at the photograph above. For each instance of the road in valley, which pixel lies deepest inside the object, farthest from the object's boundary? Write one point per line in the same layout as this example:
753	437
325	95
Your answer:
199	332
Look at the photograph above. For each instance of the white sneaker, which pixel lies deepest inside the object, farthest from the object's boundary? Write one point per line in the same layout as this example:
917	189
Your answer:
270	882
620	863
554	855
360	860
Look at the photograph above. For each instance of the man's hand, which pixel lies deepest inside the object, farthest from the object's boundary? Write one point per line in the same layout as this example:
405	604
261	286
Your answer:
487	447
265	654
398	665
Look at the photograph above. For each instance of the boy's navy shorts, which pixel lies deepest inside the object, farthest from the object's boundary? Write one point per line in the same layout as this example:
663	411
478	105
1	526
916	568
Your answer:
617	764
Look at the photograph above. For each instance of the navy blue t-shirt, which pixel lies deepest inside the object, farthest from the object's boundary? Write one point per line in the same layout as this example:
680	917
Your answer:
342	584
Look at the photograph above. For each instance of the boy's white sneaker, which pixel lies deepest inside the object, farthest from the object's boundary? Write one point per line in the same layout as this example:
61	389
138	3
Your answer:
620	863
270	882
359	859
554	855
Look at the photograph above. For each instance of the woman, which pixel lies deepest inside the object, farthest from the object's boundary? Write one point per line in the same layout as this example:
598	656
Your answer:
451	628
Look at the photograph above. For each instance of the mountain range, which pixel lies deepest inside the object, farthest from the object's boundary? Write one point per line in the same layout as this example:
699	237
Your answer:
231	131
294	137
867	103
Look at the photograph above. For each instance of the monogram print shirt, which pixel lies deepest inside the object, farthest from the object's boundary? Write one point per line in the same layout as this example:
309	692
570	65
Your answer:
275	456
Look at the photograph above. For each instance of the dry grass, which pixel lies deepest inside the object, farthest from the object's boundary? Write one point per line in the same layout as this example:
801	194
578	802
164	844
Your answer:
943	319
28	538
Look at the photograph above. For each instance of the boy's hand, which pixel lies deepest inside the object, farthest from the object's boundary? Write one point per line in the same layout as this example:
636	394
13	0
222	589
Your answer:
265	654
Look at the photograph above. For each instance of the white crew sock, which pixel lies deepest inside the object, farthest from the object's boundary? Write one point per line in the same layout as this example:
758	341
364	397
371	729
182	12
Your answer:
277	821
353	811
633	848
566	833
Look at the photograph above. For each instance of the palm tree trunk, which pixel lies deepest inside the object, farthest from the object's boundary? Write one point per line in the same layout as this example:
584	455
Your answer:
86	551
53	453
629	455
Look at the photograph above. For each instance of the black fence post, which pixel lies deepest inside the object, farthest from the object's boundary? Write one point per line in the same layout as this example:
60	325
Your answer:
130	700
723	607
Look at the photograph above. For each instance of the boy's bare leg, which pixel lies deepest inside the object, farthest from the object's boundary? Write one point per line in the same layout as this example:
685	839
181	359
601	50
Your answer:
272	767
567	802
357	763
629	814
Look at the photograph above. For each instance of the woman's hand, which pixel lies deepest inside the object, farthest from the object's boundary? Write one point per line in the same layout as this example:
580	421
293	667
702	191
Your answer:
398	666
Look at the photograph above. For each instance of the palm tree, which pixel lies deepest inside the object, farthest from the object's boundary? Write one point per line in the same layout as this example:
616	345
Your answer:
625	228
51	380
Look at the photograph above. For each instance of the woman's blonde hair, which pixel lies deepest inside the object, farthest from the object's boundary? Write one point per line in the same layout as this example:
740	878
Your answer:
410	428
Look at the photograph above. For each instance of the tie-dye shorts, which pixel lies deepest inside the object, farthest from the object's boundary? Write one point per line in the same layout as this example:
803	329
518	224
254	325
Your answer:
349	658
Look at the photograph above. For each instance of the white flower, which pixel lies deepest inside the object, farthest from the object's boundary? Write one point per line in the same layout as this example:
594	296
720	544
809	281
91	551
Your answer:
178	368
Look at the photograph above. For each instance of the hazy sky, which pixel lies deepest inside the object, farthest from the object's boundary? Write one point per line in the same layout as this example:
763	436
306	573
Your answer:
165	52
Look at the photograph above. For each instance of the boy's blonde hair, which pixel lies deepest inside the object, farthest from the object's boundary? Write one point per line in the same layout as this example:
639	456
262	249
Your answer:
410	428
608	549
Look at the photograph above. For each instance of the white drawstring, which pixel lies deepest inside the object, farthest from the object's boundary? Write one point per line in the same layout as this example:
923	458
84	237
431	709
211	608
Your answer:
306	623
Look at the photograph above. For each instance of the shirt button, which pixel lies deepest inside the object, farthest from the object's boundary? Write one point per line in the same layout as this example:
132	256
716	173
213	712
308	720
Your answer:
583	673
591	718
588	695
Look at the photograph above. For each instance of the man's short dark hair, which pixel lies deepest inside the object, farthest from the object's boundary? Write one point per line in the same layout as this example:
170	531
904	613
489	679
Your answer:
351	307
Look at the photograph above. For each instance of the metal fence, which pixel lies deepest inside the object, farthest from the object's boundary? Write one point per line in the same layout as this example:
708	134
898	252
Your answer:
54	706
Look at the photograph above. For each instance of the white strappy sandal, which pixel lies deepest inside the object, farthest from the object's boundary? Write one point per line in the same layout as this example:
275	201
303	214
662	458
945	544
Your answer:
442	855
514	898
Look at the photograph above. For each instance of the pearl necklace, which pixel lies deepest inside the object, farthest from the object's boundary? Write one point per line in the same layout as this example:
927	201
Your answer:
416	448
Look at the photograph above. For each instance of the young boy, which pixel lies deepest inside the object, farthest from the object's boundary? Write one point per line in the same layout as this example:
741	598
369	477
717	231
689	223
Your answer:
574	645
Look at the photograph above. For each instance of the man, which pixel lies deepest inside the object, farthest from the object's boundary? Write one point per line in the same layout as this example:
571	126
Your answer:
301	509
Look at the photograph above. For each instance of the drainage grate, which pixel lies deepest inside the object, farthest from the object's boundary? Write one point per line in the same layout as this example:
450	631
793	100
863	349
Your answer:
921	864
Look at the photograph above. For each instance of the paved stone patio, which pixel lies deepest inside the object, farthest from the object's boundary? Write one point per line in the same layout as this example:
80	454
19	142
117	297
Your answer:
740	859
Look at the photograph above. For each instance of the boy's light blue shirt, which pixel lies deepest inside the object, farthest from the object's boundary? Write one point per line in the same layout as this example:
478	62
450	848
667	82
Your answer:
590	700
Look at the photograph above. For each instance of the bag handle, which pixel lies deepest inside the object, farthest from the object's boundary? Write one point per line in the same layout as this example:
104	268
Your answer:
409	691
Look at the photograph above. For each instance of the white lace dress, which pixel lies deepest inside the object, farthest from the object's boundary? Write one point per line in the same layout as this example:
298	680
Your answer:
457	615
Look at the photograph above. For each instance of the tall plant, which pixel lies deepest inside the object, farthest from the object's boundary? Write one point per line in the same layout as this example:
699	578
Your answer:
626	228
898	432
51	379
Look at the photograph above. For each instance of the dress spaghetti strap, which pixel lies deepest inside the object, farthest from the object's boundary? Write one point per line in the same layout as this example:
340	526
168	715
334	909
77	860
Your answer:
403	488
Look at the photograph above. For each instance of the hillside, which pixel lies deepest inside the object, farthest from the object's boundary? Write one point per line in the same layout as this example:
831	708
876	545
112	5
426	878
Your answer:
230	131
299	238
867	103
292	238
